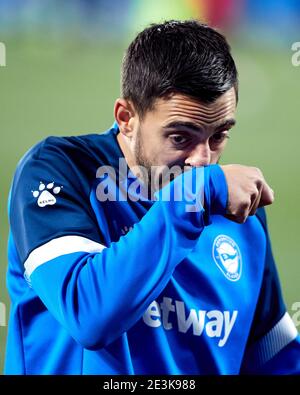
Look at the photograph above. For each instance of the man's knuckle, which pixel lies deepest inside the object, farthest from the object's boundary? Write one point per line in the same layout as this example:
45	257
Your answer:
245	205
257	170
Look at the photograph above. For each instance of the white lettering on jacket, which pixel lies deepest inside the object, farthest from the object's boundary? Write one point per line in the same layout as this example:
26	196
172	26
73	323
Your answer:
213	323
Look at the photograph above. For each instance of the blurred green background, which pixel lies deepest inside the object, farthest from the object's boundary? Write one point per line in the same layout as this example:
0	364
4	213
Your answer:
66	85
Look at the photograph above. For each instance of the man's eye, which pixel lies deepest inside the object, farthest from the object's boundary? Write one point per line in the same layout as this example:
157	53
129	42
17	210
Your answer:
219	137
178	139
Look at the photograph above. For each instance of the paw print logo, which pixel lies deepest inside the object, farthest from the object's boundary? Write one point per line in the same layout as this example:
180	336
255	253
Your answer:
45	194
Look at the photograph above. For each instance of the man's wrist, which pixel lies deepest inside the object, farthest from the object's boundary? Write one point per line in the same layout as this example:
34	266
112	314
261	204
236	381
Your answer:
218	190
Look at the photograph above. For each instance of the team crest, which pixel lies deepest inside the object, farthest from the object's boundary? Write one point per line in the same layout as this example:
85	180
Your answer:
227	256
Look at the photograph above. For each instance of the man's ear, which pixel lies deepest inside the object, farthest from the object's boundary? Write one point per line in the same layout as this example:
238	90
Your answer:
125	116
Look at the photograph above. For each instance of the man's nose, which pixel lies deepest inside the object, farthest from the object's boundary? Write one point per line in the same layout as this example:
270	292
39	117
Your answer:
199	156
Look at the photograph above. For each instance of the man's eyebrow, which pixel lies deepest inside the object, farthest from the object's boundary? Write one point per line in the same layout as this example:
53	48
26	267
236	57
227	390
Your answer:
228	123
183	124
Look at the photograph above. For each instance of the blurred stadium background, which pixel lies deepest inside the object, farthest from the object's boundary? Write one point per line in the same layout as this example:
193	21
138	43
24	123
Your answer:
62	77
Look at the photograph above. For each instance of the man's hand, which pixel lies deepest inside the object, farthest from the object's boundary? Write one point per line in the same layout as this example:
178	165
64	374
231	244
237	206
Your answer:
247	190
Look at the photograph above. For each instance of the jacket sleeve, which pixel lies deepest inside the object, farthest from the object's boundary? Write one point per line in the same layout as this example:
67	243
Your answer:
97	292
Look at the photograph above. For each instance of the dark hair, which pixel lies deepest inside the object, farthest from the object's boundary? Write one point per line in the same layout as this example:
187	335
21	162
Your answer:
185	57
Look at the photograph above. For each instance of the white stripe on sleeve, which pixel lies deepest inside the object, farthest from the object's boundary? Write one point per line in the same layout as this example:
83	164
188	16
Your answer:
57	247
274	341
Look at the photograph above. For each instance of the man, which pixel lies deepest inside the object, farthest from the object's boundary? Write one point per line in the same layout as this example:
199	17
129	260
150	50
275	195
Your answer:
106	278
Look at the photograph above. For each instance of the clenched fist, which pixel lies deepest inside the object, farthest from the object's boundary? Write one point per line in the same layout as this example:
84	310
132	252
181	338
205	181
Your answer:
247	190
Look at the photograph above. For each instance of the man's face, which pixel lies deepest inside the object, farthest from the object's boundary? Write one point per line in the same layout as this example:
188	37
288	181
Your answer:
178	132
184	132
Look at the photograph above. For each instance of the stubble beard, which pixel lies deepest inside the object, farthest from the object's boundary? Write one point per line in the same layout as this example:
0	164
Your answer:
153	175
145	165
